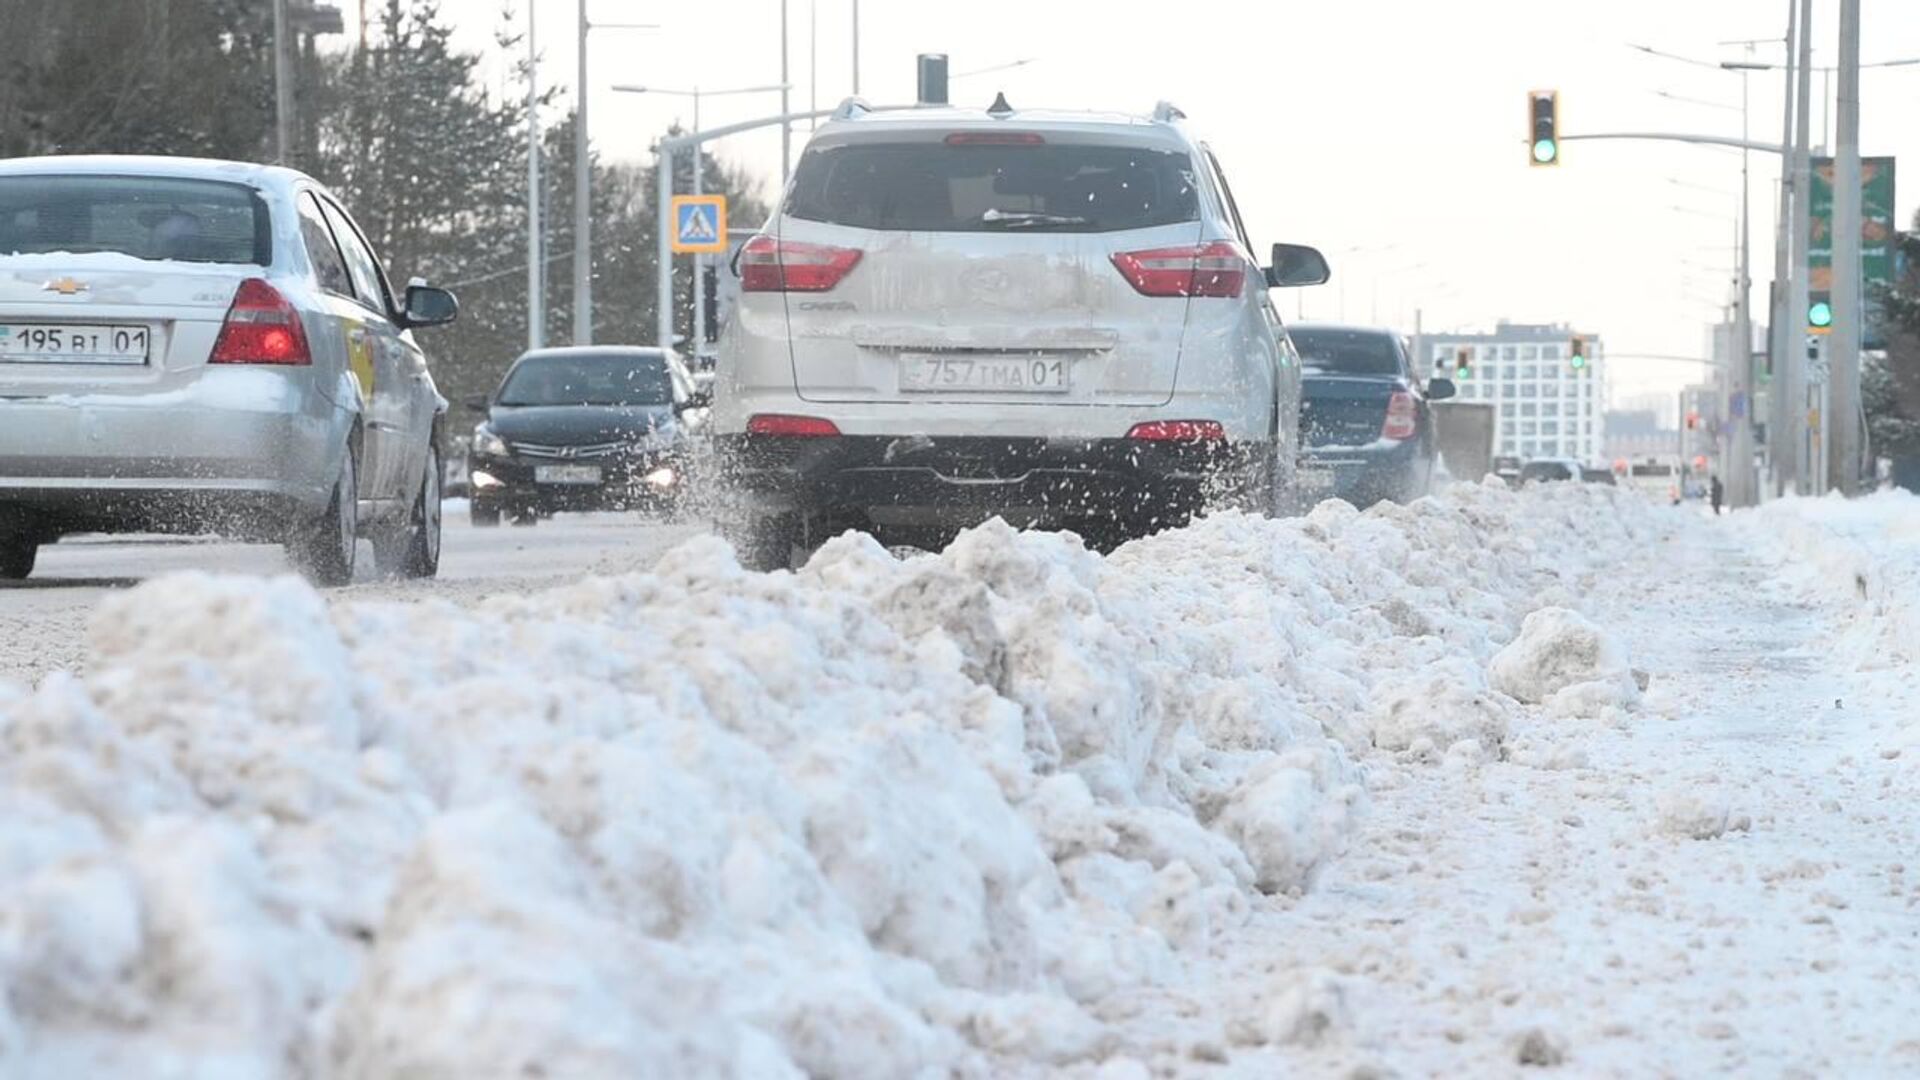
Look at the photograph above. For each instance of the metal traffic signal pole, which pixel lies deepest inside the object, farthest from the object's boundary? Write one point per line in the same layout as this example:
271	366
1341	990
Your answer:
1741	483
1798	286
1842	423
1784	352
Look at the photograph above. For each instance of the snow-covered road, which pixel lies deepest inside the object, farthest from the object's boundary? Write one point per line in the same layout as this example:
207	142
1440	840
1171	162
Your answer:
1492	783
43	619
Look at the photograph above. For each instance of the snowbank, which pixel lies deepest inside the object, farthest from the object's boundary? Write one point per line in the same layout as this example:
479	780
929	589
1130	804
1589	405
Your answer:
1566	662
1862	554
877	818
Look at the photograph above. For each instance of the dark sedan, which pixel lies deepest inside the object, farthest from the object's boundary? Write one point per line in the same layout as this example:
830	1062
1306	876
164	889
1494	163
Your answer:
594	428
1365	426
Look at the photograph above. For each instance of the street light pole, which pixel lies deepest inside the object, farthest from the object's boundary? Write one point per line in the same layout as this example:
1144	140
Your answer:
786	126
282	85
1785	363
582	211
856	48
1802	224
1739	465
1843	426
536	301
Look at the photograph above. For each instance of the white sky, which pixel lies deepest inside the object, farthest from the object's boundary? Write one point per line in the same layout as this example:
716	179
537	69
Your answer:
1388	132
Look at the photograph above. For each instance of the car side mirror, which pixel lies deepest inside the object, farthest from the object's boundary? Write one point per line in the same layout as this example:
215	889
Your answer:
428	306
1439	389
1295	265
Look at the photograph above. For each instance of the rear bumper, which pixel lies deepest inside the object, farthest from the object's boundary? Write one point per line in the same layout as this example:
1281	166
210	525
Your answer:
511	484
922	480
1385	469
231	445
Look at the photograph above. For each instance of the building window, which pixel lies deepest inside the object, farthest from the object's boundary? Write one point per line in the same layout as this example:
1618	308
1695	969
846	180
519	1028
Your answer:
1508	390
1506	410
1529	352
1551	408
1550	389
1549	448
1549	427
1529	371
1527	408
1528	389
1528	427
1529	448
1509	352
1550	352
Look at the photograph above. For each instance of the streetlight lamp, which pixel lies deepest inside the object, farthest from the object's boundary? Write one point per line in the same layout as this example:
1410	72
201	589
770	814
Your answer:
583	189
699	156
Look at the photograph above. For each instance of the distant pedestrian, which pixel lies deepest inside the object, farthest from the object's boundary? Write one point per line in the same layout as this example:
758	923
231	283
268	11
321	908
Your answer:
1715	493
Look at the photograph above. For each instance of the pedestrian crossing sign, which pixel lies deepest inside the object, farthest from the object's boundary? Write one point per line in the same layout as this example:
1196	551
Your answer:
699	223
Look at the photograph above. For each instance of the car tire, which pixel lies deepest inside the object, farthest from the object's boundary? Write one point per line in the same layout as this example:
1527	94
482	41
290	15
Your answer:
764	542
325	548
526	519
483	516
17	554
412	548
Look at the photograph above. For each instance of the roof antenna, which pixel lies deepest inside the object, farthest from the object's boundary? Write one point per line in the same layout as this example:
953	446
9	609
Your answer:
1000	106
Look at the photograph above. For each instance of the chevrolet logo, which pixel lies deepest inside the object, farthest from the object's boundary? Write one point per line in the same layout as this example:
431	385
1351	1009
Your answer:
65	286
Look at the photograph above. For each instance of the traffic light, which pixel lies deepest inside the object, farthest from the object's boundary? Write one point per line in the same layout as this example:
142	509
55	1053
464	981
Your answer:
1820	313
1463	362
1577	353
1693	419
1543	119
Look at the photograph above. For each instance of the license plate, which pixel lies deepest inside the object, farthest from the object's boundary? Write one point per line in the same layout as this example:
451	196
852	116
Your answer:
566	474
1308	478
73	343
923	373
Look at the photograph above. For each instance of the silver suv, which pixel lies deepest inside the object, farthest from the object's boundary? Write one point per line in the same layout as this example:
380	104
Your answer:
1050	317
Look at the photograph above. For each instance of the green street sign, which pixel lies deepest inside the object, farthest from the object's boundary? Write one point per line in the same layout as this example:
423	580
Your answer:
1877	237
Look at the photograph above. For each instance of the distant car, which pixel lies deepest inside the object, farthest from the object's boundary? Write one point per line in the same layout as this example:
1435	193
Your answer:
589	428
1549	470
958	313
203	346
1508	468
1366	428
1599	476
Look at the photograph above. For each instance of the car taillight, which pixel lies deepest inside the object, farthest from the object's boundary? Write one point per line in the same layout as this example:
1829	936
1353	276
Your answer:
261	328
768	264
811	427
1178	431
1402	419
1215	269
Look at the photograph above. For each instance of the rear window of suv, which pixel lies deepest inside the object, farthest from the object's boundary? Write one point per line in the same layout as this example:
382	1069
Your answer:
143	216
994	187
1346	352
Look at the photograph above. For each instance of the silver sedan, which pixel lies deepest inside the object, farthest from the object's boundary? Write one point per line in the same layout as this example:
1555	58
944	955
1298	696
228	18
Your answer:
209	347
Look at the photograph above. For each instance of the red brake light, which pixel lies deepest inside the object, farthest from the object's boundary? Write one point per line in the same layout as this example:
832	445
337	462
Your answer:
1178	431
261	328
1402	420
809	427
995	138
768	264
1215	269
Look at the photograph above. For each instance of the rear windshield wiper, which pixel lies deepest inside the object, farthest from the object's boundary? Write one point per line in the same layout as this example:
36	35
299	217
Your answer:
1015	219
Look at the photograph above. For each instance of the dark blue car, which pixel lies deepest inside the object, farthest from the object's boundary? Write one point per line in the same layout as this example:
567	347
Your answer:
1365	426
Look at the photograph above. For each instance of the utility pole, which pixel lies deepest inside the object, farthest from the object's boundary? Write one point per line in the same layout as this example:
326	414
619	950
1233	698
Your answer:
1786	359
856	48
282	85
536	301
1843	423
582	200
1796	389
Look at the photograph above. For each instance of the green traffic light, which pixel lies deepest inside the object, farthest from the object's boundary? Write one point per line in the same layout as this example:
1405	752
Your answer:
1578	361
1545	150
1820	314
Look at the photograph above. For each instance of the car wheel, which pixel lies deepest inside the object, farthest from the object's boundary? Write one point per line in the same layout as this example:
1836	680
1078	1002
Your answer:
483	515
412	550
325	547
526	519
17	554
764	542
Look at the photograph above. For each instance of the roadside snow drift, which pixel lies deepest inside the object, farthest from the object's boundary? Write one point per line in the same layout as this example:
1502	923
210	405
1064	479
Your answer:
878	818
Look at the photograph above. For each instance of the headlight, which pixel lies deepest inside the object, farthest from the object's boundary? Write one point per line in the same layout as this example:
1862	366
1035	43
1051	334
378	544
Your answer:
486	442
662	477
